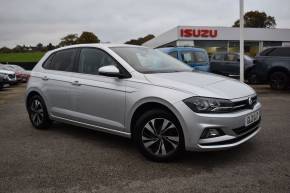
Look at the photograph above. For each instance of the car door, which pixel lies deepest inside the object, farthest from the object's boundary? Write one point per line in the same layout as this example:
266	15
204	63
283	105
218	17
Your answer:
100	100
217	63
231	64
56	82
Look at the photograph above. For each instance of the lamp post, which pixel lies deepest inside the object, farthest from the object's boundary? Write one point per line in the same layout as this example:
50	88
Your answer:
242	40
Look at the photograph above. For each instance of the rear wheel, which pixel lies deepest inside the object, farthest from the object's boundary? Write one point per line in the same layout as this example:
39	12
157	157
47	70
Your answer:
159	135
38	113
279	80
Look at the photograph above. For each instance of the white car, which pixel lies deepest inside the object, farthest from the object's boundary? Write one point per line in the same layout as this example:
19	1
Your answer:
10	76
144	94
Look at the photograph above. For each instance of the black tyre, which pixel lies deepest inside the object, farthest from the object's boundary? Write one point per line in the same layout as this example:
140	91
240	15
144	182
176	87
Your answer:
159	136
38	112
279	80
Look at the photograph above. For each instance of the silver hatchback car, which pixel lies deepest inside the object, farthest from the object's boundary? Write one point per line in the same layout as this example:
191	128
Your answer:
143	94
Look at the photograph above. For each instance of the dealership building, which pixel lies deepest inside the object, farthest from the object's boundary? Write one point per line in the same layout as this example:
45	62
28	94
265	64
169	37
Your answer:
215	39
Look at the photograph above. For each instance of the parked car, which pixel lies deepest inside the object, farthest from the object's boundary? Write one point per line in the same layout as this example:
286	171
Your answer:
196	58
24	73
10	76
272	66
21	74
144	94
2	81
228	64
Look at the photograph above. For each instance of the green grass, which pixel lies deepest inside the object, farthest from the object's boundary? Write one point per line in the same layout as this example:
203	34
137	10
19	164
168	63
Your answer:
21	57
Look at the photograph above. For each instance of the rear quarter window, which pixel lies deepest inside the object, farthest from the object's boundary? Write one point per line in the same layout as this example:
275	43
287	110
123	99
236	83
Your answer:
47	62
62	60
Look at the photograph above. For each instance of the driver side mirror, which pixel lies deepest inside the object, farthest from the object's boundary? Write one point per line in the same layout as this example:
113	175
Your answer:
110	70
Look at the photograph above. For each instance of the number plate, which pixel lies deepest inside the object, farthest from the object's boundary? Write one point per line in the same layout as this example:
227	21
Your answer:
251	118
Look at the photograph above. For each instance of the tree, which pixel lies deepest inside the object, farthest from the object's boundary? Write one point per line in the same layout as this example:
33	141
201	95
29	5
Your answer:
69	39
50	47
141	40
18	48
87	38
257	19
5	50
39	47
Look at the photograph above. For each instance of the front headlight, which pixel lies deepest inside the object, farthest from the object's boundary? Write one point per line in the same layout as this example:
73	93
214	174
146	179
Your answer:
209	105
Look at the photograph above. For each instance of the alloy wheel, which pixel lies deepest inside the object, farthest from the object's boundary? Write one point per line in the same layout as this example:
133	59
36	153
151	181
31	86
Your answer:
160	137
37	113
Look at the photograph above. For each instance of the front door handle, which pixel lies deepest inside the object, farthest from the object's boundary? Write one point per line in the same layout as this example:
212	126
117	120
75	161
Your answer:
45	78
76	83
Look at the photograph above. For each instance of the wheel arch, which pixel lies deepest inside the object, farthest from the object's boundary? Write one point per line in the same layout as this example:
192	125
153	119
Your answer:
151	104
277	69
31	92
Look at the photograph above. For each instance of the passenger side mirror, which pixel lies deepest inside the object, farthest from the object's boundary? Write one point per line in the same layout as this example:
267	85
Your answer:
238	59
110	70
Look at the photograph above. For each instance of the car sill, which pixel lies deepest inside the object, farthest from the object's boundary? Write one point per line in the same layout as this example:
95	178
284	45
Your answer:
90	126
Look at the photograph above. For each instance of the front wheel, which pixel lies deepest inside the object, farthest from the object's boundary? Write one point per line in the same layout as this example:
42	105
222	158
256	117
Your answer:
38	113
159	135
279	80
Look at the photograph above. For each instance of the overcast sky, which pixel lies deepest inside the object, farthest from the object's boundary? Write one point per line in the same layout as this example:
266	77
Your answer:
31	21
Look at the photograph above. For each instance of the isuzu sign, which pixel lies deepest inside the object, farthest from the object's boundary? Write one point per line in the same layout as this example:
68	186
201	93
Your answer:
198	33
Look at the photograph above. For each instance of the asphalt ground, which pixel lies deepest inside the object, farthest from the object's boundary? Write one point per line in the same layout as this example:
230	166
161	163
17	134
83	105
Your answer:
72	159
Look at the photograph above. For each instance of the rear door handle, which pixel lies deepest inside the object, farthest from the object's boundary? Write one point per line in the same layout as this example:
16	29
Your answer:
45	78
76	83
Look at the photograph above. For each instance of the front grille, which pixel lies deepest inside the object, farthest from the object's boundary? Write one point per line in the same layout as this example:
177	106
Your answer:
245	104
245	129
11	76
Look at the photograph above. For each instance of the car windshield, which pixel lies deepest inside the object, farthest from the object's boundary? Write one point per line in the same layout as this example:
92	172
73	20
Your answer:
147	60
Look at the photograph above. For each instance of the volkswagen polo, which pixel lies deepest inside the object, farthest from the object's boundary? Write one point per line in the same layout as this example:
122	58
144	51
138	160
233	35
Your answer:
143	94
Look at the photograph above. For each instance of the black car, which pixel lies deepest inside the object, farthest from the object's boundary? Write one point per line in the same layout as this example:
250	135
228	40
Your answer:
228	64
272	66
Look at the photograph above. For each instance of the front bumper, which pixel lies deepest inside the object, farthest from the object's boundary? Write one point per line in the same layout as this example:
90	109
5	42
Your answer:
232	125
12	81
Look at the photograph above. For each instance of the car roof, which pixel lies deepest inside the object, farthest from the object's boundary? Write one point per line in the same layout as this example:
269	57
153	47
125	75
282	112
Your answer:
170	49
96	45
